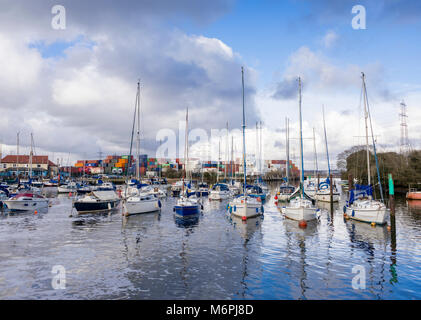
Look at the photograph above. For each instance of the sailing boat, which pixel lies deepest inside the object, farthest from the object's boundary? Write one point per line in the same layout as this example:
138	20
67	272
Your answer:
301	206
136	201
187	206
219	191
286	189
245	206
361	205
323	190
311	187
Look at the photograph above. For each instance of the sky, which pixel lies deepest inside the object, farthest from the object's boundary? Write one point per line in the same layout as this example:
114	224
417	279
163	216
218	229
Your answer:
75	88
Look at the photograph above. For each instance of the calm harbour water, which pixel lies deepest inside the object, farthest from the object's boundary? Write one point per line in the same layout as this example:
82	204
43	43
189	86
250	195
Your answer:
153	256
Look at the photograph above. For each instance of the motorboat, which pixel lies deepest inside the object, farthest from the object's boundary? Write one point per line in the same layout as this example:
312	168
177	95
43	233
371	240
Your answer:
66	188
26	201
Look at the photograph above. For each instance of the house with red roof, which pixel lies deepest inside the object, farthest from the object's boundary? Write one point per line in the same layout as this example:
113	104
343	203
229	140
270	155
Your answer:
20	164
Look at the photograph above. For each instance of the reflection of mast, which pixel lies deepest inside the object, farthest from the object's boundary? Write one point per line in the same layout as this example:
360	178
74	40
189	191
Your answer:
363	236
184	270
245	274
303	287
393	273
247	229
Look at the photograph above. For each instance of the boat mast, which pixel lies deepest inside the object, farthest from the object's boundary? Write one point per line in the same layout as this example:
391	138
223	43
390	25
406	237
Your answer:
287	146
244	137
219	159
17	155
366	129
185	148
257	148
232	157
374	146
226	155
138	133
316	167
129	162
30	158
260	151
301	141
327	150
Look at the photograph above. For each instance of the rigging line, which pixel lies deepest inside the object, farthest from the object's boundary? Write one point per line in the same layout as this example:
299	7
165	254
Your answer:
357	166
129	163
374	146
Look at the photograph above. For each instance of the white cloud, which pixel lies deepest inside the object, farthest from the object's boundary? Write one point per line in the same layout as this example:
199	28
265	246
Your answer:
330	38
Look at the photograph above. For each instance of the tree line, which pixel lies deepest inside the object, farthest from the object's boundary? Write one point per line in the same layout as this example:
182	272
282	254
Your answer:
405	169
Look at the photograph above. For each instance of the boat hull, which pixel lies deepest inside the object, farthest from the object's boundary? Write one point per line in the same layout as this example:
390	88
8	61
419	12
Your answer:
413	195
325	197
218	195
138	207
283	197
300	213
65	190
186	211
246	210
93	207
24	205
369	215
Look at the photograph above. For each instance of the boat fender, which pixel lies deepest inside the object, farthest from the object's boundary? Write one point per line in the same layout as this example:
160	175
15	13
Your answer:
230	209
201	206
263	209
344	209
173	209
159	203
235	208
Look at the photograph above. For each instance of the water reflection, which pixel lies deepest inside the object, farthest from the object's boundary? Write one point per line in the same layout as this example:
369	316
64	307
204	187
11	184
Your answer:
327	205
187	222
91	220
298	237
372	241
414	206
247	230
156	255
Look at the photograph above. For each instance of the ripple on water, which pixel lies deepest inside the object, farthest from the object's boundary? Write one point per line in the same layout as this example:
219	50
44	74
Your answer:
152	256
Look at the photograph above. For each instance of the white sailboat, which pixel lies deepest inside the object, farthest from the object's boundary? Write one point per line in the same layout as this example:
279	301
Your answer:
361	205
136	201
301	207
286	189
187	206
245	206
323	189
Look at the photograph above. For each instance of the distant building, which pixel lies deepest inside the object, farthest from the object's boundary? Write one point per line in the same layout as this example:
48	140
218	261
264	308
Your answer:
20	164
